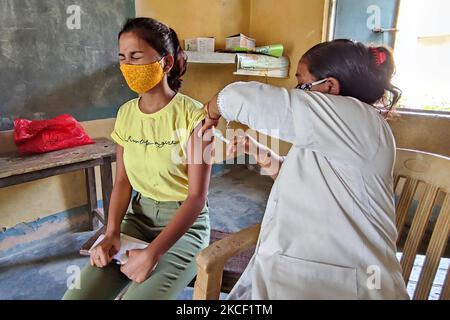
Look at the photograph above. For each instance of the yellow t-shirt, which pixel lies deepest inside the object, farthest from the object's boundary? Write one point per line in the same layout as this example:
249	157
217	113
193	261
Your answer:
155	146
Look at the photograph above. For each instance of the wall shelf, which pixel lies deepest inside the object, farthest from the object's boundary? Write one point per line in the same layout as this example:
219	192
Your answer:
211	57
231	58
266	74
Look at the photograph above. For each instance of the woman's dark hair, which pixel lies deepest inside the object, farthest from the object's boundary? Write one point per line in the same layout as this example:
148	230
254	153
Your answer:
358	68
164	40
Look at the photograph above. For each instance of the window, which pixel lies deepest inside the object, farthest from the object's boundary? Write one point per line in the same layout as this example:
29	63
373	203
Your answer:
422	54
419	33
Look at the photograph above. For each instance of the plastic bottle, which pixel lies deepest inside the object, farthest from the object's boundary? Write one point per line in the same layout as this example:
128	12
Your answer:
275	50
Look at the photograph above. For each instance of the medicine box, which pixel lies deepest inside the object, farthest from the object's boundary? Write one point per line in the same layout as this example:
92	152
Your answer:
239	42
199	44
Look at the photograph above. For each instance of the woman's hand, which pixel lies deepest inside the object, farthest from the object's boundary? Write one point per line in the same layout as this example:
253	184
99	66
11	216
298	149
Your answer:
209	124
212	116
267	159
247	144
102	254
140	264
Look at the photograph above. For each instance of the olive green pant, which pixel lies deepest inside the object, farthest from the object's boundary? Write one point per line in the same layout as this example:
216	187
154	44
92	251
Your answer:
145	219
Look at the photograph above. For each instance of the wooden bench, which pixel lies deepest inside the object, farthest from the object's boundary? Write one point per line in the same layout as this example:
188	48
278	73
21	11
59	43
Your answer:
16	169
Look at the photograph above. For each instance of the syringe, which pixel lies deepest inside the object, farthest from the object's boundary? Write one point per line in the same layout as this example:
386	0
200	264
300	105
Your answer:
221	137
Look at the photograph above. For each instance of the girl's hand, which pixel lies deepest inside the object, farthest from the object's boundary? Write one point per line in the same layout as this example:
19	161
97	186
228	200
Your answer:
102	254
140	264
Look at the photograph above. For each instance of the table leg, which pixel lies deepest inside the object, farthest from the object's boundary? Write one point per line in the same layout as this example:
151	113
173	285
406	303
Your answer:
107	184
91	194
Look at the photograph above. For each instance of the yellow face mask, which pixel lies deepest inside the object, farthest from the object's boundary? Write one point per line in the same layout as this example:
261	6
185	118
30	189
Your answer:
142	78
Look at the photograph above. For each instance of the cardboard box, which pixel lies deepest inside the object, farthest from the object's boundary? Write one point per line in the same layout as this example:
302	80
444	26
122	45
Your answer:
199	44
240	42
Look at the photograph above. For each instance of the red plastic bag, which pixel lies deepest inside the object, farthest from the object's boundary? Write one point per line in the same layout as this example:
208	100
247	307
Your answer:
39	136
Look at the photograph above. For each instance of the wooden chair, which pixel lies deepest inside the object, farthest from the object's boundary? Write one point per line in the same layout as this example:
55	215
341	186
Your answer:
220	265
426	178
418	176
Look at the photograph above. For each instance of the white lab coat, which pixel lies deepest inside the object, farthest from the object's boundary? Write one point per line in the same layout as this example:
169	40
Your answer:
329	227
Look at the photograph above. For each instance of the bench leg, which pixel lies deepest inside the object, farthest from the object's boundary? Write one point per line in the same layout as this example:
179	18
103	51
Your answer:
107	184
91	195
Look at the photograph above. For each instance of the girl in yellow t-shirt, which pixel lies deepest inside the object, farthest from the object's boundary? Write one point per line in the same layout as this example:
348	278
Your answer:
155	157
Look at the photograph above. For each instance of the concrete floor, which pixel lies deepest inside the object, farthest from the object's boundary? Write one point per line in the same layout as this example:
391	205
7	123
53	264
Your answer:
237	199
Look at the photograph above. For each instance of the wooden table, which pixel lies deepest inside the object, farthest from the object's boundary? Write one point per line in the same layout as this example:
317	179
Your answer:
16	169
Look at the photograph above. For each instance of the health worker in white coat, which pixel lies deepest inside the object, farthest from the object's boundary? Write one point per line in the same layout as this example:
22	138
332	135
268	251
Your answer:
328	231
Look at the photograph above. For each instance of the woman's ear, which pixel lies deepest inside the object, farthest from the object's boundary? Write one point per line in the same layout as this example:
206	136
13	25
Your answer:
333	86
168	63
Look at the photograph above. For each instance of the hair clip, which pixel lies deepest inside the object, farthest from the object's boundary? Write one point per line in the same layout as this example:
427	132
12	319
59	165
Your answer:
380	56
